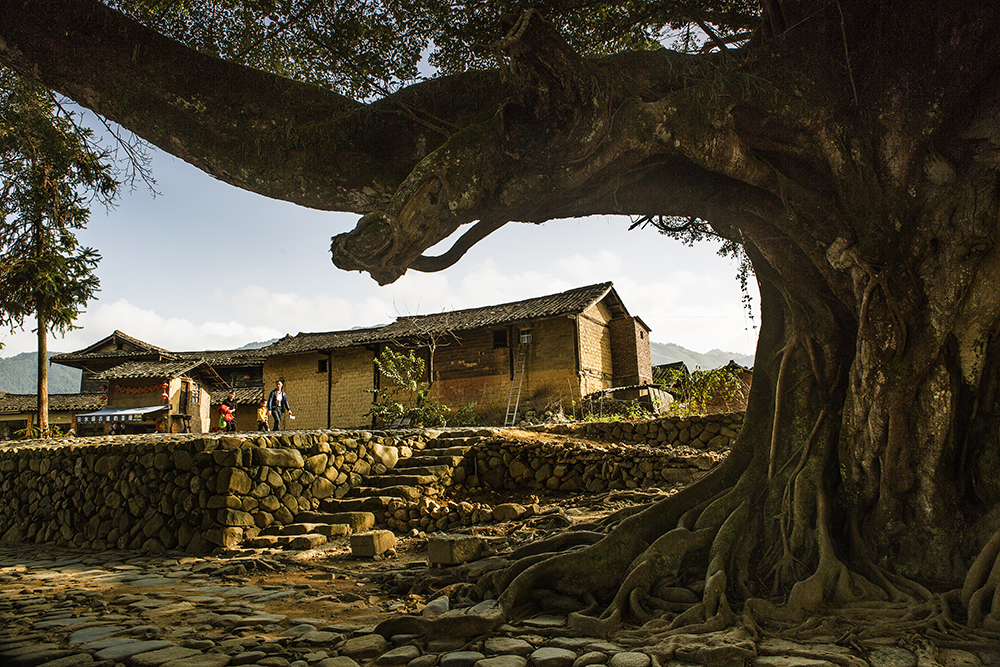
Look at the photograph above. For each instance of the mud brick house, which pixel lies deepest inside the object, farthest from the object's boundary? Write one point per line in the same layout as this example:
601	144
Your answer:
547	351
19	412
131	374
150	396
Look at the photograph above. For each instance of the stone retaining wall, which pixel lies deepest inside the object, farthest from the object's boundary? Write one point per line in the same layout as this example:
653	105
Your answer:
658	453
198	492
560	467
193	493
715	432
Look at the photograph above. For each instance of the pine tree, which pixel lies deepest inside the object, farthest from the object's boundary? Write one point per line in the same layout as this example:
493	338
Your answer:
51	170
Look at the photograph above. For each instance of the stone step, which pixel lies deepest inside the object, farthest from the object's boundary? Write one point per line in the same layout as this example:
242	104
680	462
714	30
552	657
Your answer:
357	504
444	451
356	521
430	465
295	529
445	443
404	492
390	479
294	542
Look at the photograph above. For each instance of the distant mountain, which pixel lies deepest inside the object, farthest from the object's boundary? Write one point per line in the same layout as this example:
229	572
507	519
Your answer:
259	344
19	375
666	353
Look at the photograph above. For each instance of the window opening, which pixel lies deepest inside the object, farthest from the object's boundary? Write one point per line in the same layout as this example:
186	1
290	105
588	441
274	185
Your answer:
500	338
321	366
525	336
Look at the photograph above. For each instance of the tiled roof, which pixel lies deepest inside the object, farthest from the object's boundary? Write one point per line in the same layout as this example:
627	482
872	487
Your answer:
244	395
17	403
307	342
94	350
158	369
225	357
570	302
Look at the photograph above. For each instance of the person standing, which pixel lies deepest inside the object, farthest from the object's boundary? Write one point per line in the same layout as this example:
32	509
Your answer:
262	416
228	410
277	404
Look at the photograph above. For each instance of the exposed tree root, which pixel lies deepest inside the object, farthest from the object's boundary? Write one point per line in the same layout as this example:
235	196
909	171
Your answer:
981	590
672	577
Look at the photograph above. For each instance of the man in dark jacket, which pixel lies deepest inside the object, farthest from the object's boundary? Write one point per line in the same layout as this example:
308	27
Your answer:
277	403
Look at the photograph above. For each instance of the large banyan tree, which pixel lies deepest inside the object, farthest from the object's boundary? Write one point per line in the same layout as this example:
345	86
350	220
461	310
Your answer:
851	146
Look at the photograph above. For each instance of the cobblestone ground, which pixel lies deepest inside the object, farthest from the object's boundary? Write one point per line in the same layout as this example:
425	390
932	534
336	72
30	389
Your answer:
64	608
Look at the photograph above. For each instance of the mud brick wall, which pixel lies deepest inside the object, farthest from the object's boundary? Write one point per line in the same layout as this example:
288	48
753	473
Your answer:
321	399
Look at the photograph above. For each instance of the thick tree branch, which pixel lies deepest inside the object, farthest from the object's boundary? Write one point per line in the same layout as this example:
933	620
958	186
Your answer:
260	132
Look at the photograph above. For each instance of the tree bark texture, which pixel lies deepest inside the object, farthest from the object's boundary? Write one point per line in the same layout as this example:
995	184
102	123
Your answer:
43	377
854	149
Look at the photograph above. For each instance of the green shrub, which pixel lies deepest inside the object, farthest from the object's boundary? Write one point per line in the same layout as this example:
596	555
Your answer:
405	399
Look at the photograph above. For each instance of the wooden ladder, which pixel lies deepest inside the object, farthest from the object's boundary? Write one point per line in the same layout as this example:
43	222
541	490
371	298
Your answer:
515	387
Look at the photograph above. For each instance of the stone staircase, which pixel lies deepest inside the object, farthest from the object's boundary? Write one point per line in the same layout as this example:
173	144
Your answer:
426	473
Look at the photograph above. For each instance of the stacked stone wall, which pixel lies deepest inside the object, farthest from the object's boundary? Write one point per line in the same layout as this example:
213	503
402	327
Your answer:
638	454
195	493
200	492
715	432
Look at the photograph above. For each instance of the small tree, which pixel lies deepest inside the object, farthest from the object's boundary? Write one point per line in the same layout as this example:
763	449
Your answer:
703	391
406	394
50	171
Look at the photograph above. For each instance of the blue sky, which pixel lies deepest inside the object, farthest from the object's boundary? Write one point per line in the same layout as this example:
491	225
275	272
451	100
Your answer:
207	266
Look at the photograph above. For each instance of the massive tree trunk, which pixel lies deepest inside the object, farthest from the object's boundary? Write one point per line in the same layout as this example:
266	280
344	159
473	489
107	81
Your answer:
854	150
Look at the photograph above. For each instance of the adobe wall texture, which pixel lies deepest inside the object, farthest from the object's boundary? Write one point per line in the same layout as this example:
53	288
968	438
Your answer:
631	353
348	373
349	402
595	349
470	370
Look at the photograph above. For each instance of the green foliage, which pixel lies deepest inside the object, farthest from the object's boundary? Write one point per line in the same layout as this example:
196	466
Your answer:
619	411
50	169
34	432
698	391
404	398
370	47
466	416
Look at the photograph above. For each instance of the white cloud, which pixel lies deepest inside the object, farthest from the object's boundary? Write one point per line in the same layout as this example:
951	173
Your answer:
683	303
581	269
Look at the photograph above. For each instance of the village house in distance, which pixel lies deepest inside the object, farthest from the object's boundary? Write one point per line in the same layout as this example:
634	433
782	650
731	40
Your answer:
546	352
143	388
